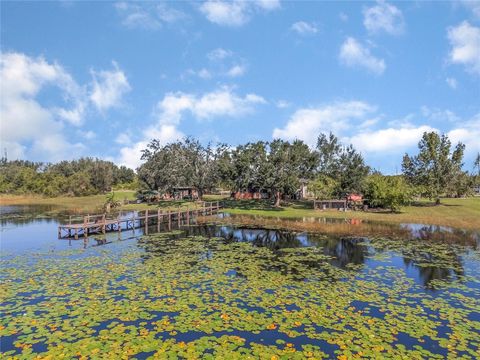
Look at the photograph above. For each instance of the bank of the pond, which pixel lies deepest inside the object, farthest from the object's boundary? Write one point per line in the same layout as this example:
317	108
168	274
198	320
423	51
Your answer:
457	213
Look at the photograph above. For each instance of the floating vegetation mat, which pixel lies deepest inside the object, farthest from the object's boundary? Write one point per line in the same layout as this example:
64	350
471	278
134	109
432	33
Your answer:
168	297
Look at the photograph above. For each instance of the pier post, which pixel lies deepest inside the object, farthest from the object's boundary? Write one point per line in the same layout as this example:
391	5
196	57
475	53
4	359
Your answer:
158	220
103	224
179	216
169	221
146	221
188	216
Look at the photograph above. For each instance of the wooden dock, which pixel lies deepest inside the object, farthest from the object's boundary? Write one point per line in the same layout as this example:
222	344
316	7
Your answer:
102	224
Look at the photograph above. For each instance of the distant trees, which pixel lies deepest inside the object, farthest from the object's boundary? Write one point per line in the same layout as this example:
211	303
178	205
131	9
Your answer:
389	192
343	164
436	169
285	166
80	177
323	187
278	167
182	163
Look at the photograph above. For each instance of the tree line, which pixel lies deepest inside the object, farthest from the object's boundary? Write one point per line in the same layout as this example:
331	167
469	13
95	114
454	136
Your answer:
85	176
331	170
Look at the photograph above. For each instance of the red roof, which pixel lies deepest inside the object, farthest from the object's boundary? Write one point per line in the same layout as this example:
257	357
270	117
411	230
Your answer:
354	197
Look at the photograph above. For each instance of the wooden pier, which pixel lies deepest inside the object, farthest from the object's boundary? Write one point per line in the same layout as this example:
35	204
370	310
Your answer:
102	224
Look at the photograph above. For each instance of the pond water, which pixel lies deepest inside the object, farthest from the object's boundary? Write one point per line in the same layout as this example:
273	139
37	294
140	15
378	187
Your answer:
236	287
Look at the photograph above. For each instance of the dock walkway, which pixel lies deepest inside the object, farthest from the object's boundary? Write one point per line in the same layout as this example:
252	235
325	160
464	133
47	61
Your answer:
101	224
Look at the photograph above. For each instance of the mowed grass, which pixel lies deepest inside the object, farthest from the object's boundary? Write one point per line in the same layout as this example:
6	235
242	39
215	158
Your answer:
459	213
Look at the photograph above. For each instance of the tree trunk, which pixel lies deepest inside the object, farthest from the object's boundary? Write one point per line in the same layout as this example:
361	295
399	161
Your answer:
437	201
277	198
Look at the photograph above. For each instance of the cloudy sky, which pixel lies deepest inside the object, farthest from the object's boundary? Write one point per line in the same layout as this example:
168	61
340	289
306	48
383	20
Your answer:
103	78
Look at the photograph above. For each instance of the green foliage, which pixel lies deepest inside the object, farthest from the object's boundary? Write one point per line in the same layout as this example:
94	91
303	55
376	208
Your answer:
182	163
111	202
323	187
436	168
85	176
342	163
287	164
390	192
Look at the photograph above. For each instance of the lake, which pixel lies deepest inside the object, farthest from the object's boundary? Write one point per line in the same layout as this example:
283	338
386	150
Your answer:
238	287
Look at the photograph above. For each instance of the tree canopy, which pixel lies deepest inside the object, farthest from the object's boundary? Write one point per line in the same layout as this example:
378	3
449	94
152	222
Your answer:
436	169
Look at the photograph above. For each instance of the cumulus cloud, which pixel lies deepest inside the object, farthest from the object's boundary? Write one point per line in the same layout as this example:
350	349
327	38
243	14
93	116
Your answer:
25	120
358	123
237	12
150	16
384	17
354	54
389	139
465	46
108	88
307	123
170	111
304	28
467	132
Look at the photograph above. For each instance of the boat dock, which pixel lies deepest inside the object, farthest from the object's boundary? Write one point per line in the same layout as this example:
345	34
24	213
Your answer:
103	223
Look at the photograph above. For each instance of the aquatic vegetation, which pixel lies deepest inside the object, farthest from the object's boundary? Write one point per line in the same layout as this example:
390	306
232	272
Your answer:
171	295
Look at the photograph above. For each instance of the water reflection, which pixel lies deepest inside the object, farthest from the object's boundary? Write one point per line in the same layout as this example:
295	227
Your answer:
24	228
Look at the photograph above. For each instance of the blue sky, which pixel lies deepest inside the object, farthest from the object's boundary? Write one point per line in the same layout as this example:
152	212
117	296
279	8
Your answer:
103	78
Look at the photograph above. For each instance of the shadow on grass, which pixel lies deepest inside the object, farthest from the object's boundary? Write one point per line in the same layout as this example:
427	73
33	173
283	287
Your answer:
267	205
432	204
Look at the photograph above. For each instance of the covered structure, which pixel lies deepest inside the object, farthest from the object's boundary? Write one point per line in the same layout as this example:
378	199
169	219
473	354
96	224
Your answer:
184	192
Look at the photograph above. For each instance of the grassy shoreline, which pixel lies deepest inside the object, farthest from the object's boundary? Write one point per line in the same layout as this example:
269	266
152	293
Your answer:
457	213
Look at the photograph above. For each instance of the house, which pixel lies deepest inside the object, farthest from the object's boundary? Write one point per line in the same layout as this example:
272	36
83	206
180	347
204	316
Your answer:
184	192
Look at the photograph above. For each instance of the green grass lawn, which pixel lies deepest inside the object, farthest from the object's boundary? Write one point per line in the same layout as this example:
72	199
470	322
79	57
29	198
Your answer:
461	213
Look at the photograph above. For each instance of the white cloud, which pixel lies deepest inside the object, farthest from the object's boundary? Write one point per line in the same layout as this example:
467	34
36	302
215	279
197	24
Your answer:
24	120
236	70
452	82
343	17
354	54
465	42
150	16
222	102
384	17
307	123
108	88
390	139
467	132
170	110
219	54
237	12
304	28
